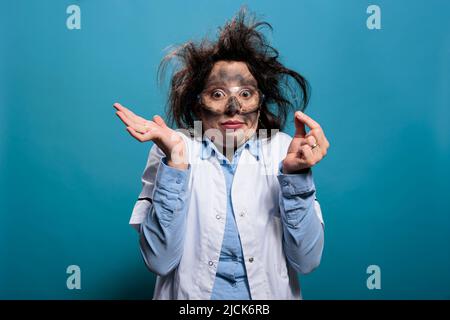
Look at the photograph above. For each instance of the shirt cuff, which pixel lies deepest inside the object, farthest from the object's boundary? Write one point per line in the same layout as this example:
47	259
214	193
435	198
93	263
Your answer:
296	183
170	178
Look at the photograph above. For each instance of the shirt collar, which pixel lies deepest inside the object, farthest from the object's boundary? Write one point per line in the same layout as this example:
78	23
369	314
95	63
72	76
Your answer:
209	149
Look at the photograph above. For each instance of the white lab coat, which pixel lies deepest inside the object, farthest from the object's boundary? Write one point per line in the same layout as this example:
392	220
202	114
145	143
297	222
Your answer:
255	199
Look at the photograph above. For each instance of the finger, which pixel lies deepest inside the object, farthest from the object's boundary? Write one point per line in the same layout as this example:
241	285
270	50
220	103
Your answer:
124	111
125	119
322	144
321	141
120	107
117	106
135	134
130	114
139	136
309	140
139	119
159	121
308	121
300	129
307	154
294	147
137	127
318	152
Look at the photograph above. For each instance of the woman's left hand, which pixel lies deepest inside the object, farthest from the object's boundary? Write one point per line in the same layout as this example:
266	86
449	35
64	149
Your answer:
305	150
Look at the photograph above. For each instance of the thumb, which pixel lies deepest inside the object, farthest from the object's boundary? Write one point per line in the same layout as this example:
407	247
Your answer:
300	130
159	121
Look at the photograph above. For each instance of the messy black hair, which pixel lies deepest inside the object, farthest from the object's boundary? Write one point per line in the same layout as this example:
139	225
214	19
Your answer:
238	40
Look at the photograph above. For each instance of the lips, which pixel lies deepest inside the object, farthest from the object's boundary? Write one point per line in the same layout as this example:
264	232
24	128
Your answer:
232	124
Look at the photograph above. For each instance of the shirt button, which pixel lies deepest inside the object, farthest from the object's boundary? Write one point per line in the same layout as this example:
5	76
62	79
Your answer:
243	212
211	263
250	260
218	216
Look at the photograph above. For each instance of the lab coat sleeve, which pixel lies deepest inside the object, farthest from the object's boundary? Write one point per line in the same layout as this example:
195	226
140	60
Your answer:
144	202
162	231
303	232
155	218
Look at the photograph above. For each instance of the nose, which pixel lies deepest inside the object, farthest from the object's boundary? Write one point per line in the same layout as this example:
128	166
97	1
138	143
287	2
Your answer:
233	107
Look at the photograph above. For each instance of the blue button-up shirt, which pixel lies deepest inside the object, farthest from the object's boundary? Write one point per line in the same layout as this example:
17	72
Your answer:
231	279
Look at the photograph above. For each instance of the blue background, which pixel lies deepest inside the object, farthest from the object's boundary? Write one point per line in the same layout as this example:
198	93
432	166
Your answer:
70	173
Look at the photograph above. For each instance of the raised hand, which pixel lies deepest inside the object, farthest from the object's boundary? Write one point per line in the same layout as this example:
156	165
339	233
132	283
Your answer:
306	149
157	131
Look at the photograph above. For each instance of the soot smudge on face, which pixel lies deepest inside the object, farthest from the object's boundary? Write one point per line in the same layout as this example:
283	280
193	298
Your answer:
224	78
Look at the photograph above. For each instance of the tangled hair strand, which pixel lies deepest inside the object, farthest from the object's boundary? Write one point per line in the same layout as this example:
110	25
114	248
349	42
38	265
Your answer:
240	39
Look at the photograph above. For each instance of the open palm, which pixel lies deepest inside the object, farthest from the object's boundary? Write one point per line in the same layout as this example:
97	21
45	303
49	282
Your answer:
154	130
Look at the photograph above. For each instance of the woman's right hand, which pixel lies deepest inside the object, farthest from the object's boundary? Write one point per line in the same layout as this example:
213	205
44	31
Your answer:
157	131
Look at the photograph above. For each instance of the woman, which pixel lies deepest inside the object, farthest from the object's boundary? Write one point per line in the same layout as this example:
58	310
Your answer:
228	207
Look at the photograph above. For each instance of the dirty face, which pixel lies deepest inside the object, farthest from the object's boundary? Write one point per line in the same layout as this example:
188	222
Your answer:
230	104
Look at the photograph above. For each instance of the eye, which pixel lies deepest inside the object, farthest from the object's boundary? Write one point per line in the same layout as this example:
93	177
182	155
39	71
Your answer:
246	93
217	94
